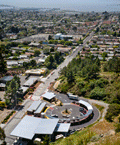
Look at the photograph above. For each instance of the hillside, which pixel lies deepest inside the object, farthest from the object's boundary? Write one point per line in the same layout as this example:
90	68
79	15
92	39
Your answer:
96	80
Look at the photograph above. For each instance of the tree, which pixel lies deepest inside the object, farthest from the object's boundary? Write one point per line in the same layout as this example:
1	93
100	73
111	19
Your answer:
97	29
36	53
46	140
74	28
70	77
33	63
2	134
113	65
26	65
49	37
69	43
113	110
58	57
46	51
12	89
50	62
2	61
1	33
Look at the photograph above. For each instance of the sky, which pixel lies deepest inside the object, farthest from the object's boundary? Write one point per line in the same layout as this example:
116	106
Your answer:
81	5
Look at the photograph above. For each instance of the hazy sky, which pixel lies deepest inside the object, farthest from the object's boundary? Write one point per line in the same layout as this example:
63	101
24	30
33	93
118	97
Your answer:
66	4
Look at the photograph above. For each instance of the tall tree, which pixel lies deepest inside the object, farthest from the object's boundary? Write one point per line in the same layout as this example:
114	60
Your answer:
12	90
2	61
36	53
2	134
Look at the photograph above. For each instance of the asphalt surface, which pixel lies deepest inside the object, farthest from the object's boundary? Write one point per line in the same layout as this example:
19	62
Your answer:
14	122
74	110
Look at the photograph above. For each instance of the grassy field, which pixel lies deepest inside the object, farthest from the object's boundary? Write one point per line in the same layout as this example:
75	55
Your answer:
78	138
101	133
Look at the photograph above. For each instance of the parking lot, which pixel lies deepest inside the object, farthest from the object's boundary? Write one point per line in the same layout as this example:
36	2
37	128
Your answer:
74	110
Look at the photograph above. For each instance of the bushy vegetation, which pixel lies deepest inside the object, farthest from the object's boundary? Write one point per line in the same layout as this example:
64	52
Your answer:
52	61
88	78
82	77
113	111
2	104
78	138
113	65
30	65
6	119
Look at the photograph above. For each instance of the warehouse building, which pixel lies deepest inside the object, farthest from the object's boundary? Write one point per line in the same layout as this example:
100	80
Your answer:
33	127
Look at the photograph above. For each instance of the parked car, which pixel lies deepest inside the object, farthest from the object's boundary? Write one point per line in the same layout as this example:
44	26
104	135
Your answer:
81	109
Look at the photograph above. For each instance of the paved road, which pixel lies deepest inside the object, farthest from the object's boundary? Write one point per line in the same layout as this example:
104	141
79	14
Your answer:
69	58
14	121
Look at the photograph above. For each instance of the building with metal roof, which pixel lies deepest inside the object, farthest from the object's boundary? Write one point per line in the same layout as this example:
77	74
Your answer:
30	82
36	71
29	126
6	79
24	89
46	126
40	109
33	107
62	127
48	95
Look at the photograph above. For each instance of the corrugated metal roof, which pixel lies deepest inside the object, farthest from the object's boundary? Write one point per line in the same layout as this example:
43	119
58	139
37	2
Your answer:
29	126
46	126
40	108
34	106
62	127
89	107
6	78
48	95
26	127
24	89
30	82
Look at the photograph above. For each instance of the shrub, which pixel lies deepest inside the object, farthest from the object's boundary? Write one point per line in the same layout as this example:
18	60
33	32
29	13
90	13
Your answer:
97	93
101	82
64	87
7	117
83	91
117	127
81	84
92	85
112	111
2	104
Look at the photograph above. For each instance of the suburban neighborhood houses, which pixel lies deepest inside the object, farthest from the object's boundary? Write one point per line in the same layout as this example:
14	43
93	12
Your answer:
59	77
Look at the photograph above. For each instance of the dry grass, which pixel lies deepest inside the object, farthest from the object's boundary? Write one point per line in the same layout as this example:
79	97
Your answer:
109	140
102	127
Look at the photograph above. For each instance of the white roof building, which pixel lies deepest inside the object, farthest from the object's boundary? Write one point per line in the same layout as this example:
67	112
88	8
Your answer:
30	82
29	126
48	95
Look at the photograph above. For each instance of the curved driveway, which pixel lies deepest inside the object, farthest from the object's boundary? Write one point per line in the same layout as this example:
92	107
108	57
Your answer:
64	98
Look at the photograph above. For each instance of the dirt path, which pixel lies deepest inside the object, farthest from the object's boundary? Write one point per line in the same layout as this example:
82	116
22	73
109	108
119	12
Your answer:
101	103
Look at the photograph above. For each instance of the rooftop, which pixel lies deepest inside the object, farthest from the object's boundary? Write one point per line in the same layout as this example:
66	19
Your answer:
29	126
30	82
48	95
34	106
6	78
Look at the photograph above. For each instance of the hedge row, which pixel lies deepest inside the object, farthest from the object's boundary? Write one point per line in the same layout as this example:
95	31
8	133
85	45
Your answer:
6	119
